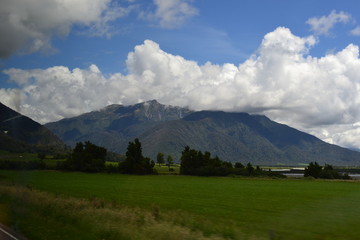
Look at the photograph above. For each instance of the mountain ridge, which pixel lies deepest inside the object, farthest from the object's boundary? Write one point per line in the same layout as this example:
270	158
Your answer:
230	135
20	133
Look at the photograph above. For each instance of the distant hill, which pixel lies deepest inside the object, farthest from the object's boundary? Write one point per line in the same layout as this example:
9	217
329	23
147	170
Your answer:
232	136
19	133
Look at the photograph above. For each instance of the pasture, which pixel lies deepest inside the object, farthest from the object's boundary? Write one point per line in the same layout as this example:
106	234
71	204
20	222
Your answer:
178	207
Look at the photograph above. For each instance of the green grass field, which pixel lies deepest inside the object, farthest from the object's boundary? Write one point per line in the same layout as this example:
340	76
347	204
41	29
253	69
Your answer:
164	170
49	160
4	155
183	207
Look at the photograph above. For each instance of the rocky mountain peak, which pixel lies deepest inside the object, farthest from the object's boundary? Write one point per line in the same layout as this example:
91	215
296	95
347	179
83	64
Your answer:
154	111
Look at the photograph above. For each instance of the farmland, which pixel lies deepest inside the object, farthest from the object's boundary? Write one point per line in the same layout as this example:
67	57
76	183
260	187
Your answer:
183	207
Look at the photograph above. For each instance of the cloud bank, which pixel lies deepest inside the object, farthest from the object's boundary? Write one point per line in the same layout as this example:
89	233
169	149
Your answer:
281	80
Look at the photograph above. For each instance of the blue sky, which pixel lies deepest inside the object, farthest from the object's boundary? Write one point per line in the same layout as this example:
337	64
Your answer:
294	61
222	32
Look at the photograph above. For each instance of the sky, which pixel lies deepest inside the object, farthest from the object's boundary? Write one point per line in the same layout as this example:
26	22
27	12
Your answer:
296	62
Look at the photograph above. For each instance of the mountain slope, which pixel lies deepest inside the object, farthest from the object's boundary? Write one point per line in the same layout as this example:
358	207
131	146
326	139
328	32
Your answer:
231	136
20	133
243	137
114	126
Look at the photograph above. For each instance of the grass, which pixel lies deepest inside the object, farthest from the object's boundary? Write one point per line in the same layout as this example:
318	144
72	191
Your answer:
199	207
49	160
4	155
164	170
46	216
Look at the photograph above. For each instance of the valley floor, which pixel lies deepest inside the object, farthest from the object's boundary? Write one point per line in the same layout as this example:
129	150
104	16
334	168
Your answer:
58	205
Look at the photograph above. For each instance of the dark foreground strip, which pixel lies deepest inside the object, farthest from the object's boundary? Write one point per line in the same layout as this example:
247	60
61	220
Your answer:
8	234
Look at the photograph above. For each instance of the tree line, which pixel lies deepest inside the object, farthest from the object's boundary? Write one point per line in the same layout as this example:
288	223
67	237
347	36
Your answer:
194	162
88	157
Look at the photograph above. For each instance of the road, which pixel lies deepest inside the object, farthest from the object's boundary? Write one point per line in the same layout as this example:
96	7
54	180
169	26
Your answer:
8	234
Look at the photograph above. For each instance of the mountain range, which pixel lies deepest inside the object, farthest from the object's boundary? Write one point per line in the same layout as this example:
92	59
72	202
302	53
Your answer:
19	133
235	137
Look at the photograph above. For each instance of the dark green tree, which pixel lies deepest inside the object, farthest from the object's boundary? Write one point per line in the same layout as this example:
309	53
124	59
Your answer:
239	165
135	162
160	158
169	161
86	157
329	172
195	162
313	170
249	168
188	157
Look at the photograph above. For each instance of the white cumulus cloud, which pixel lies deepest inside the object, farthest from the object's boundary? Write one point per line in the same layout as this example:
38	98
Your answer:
281	80
171	13
29	26
323	25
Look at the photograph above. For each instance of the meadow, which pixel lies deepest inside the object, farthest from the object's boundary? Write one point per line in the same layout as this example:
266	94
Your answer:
59	205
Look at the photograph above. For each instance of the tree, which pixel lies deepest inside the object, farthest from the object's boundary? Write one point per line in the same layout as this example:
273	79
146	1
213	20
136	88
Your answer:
195	162
188	157
86	157
239	165
249	168
135	162
313	170
327	172
169	161
160	158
